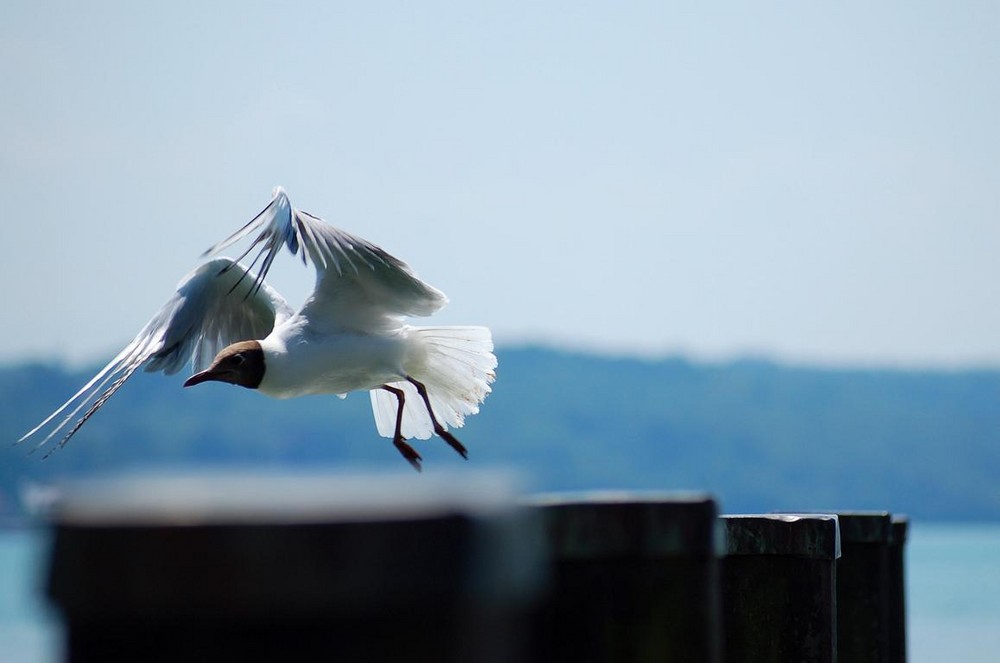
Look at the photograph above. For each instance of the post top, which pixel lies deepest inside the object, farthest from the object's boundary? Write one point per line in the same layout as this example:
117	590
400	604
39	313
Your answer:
796	534
646	524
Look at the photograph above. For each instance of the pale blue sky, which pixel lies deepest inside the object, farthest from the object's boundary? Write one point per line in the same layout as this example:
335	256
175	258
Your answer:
811	181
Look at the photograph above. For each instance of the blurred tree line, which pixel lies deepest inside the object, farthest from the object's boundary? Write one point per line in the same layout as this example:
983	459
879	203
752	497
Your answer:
760	435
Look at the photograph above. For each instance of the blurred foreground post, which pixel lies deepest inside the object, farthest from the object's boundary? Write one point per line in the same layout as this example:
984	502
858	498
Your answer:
633	577
293	568
779	580
897	590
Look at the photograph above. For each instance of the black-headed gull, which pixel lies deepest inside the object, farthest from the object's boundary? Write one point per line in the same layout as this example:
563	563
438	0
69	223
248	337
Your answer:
348	336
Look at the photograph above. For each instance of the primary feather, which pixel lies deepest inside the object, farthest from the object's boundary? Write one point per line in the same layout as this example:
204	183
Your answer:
212	307
354	276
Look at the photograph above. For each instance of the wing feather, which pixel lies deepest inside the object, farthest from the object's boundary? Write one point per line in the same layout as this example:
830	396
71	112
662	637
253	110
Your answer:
212	307
358	284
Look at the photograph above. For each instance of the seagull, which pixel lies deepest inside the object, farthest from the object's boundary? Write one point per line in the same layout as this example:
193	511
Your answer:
349	335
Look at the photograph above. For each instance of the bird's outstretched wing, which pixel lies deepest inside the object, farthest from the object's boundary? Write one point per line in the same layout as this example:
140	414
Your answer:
219	303
357	283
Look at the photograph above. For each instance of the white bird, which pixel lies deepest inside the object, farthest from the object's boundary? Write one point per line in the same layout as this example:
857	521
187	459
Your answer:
348	336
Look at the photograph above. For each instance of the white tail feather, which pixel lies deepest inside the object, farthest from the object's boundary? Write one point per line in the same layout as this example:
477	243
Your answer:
457	366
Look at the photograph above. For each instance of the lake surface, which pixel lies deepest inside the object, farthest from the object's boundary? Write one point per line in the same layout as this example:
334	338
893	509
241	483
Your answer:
953	584
953	576
29	629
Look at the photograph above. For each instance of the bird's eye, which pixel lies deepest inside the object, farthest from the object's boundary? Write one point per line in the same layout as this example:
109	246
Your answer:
237	360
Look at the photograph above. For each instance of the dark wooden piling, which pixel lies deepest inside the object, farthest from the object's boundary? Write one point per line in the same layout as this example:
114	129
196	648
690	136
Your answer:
863	587
897	589
633	577
292	569
779	580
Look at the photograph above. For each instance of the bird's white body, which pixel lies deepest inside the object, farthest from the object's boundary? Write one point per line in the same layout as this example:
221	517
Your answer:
300	362
348	336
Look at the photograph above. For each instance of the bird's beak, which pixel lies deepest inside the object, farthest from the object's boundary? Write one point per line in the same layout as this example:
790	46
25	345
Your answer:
205	376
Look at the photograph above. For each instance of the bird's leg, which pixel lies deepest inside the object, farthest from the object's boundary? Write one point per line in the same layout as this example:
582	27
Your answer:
438	428
409	453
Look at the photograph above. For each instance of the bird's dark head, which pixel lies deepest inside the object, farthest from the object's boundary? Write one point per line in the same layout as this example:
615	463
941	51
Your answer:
240	363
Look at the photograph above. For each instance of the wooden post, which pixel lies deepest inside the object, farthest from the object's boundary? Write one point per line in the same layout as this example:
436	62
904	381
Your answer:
293	568
897	589
633	578
779	580
863	587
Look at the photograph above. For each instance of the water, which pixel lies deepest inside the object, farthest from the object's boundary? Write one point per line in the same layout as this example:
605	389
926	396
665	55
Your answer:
29	629
953	576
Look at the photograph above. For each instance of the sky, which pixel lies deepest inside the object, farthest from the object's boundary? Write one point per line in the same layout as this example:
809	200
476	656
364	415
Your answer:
808	182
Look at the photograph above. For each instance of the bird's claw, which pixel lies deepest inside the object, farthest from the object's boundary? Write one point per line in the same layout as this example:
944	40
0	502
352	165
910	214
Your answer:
409	453
453	443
